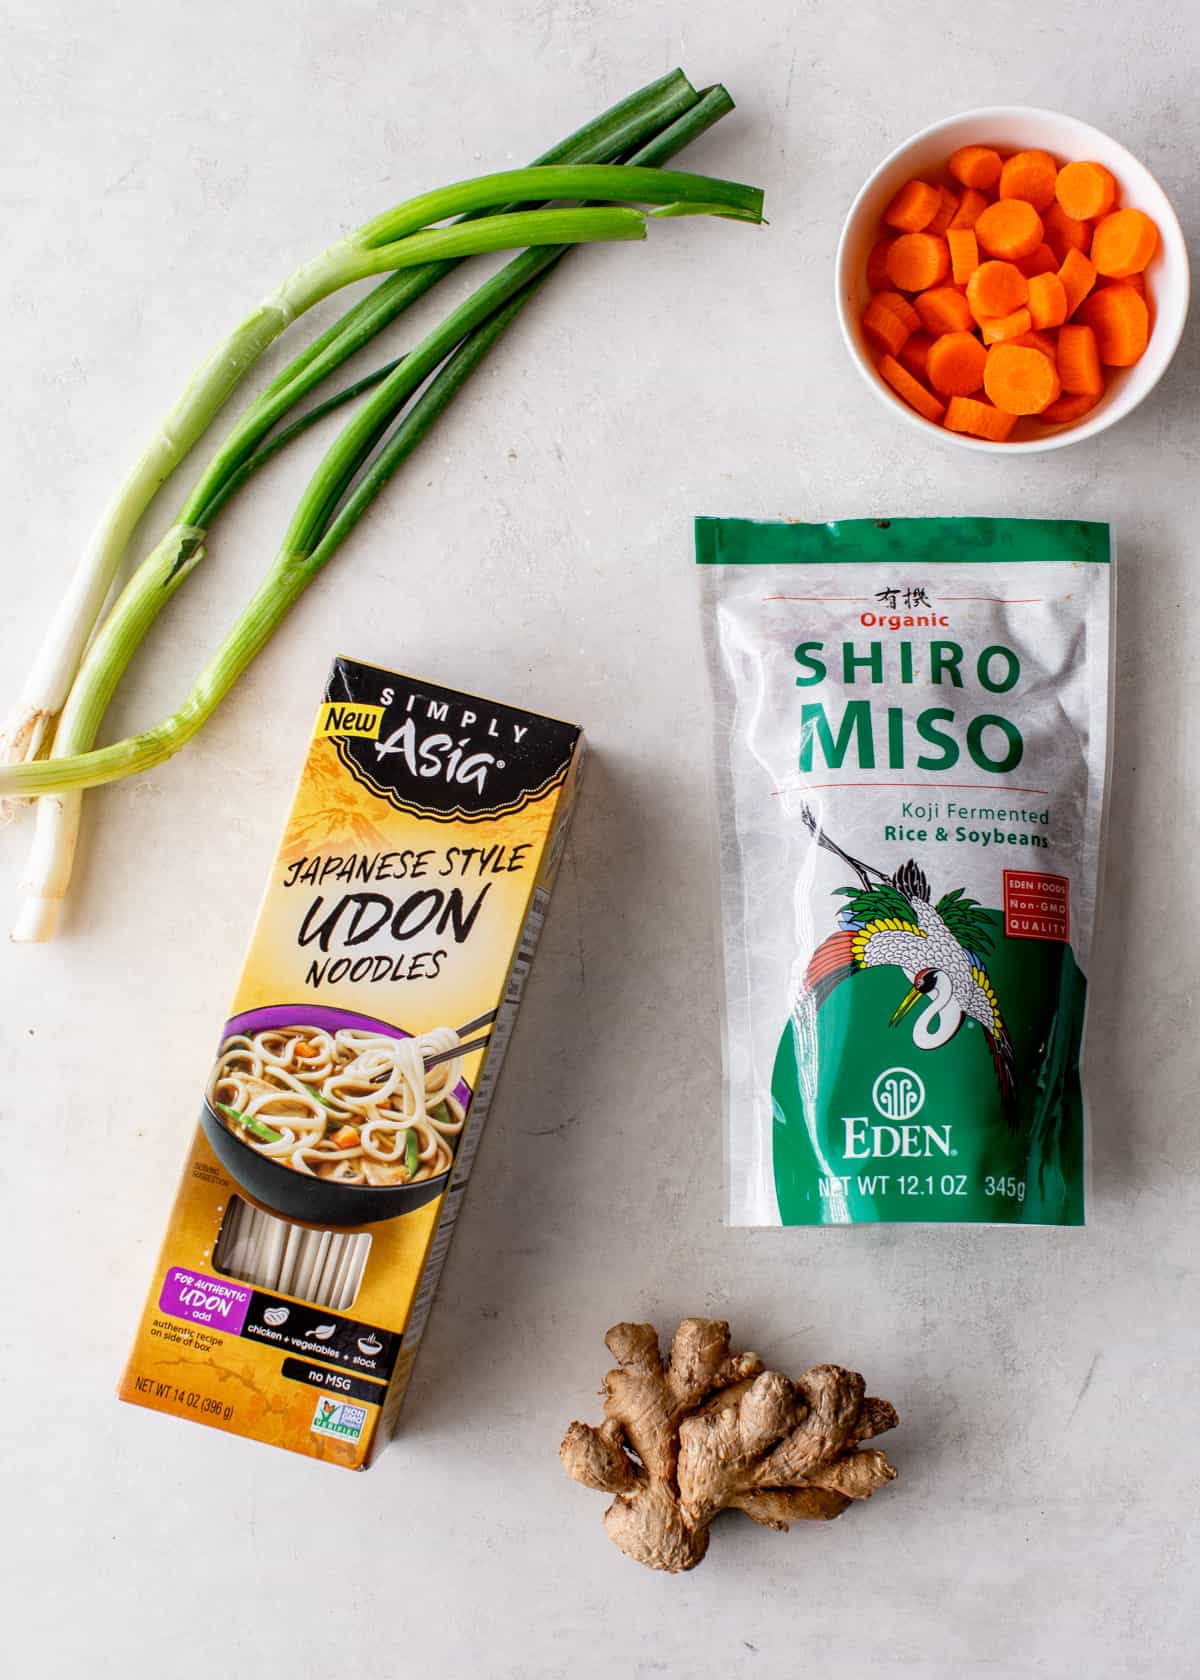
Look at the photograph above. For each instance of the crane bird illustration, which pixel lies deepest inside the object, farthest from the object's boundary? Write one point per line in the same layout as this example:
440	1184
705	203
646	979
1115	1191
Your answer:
890	921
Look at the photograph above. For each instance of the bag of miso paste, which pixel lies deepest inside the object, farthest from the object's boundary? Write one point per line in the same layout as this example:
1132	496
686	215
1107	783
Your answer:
911	741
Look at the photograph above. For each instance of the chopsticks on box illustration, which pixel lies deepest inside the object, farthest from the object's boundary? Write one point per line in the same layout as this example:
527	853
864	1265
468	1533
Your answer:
463	1048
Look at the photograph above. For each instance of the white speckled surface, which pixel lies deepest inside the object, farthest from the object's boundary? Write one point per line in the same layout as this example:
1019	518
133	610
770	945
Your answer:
159	164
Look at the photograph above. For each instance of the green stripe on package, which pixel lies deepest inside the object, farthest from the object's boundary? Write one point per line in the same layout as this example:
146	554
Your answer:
911	743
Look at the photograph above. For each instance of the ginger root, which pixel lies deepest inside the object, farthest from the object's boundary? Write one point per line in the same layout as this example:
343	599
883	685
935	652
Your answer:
711	1430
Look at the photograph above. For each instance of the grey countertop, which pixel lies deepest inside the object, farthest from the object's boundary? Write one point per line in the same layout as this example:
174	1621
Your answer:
160	167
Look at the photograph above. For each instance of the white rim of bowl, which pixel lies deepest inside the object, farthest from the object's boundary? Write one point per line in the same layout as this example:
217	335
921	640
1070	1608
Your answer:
1052	440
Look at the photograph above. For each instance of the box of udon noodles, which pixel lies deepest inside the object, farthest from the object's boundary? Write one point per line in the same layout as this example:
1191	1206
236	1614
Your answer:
344	1106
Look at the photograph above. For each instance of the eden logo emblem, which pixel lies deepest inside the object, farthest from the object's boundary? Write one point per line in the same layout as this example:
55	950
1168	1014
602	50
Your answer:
898	1094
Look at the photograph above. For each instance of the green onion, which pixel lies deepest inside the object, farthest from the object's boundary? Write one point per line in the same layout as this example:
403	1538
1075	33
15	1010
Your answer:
411	1152
320	524
402	237
265	1134
607	138
352	258
286	581
317	1095
629	124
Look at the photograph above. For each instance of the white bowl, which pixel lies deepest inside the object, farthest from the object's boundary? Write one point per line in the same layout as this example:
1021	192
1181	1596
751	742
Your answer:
1020	128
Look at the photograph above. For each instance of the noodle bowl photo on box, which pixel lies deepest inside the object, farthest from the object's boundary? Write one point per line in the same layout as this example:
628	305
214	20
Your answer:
328	1115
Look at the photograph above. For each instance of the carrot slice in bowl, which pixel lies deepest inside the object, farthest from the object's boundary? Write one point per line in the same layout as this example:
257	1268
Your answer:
943	310
964	253
1009	229
1079	361
975	166
1085	190
1078	276
914	355
917	261
1123	243
1121	322
914	207
996	288
1070	406
1047	300
955	364
1005	327
913	392
1029	177
1020	380
970	206
980	419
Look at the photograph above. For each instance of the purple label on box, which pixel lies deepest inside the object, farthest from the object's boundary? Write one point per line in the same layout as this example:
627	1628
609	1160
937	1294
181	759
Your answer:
201	1299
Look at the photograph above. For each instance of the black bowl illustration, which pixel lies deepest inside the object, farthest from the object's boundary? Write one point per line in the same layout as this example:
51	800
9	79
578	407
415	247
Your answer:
297	1195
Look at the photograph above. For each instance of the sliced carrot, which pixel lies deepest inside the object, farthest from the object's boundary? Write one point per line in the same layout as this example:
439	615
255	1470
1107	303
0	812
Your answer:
883	326
964	253
917	261
1018	279
943	310
914	207
1070	406
1136	281
996	288
877	277
955	364
1064	233
1085	190
1010	228
1043	261
945	214
1121	322
1003	327
1079	361
1078	277
980	419
1020	380
913	392
969	206
1038	341
1123	243
914	354
975	166
1030	177
900	307
1047	300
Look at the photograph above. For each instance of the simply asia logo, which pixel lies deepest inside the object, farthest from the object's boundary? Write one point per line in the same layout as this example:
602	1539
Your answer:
442	754
446	753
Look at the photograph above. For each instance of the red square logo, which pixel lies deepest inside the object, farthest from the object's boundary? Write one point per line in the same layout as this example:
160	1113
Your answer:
1037	906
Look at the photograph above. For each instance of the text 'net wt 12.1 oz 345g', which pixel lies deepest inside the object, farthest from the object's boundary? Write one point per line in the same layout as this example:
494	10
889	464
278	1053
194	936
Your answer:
911	745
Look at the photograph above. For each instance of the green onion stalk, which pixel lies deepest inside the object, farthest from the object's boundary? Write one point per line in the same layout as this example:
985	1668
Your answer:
32	720
403	237
330	508
349	260
608	138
